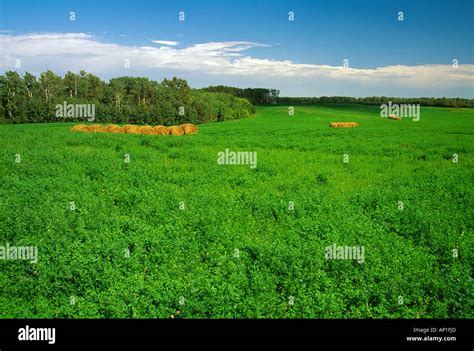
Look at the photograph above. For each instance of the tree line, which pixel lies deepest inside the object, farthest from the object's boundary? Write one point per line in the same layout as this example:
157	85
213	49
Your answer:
257	96
376	100
139	100
262	96
135	100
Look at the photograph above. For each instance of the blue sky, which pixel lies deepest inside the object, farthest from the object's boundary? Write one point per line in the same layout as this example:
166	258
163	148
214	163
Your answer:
413	57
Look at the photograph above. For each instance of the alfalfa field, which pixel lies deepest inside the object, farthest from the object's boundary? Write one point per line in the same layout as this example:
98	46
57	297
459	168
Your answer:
148	226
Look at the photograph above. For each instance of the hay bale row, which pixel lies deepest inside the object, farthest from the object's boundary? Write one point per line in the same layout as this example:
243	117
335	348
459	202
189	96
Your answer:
343	124
394	117
132	129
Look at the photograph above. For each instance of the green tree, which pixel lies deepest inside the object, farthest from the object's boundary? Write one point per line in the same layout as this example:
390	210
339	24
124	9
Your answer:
70	84
50	84
14	92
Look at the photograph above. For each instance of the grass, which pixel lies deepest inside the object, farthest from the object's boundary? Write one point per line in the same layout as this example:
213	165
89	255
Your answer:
129	249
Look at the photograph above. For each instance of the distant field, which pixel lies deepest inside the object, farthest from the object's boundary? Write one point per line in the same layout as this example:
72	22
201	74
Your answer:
131	249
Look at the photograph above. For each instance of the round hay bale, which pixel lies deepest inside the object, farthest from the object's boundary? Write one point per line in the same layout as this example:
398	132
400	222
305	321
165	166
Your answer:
80	128
161	130
176	130
343	124
394	117
127	127
147	130
101	130
96	128
189	128
110	127
117	129
131	129
135	130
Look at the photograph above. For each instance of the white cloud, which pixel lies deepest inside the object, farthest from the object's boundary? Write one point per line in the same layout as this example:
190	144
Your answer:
166	42
74	51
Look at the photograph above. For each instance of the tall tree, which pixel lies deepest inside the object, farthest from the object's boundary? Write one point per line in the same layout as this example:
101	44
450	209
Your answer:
70	84
14	95
50	85
31	84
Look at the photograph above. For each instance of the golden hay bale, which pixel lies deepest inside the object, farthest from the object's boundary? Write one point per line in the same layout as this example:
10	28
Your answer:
80	128
110	127
127	128
343	124
147	130
394	117
176	130
95	128
131	129
161	130
135	130
189	128
101	130
116	129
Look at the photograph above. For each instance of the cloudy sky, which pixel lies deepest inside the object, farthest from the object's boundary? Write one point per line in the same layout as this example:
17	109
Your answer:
303	48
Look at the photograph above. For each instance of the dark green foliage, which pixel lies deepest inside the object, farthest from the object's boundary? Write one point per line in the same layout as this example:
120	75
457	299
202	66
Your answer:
375	100
121	100
257	96
261	96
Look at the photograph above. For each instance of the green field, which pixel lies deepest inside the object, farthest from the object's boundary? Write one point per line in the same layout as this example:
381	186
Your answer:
130	249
